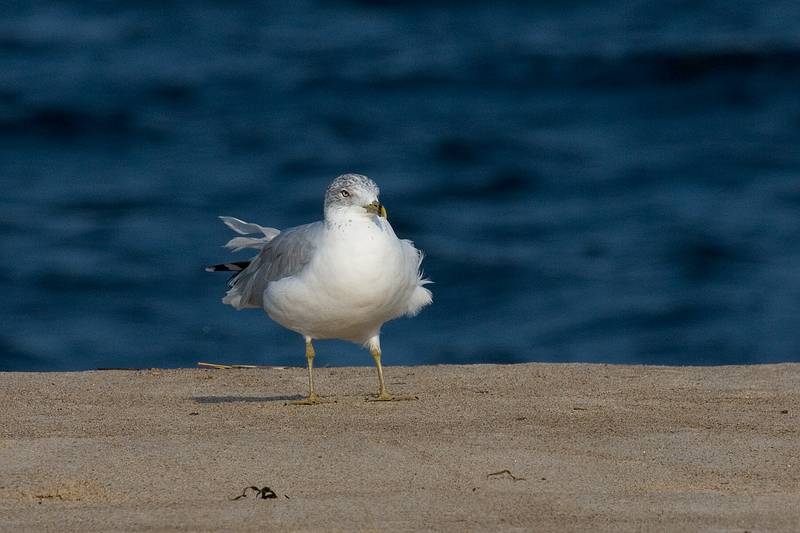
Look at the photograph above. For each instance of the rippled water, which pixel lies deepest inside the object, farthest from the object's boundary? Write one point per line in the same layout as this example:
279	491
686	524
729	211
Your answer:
590	182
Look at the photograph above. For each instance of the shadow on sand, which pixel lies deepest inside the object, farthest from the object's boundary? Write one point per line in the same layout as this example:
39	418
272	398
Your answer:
246	399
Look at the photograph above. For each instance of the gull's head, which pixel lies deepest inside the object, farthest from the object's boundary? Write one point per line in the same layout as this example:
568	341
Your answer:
353	195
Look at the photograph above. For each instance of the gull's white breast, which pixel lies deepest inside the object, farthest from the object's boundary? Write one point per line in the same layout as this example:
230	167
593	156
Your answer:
361	275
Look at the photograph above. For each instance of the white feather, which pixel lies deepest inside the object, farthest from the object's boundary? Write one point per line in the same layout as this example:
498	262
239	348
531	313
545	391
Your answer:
246	228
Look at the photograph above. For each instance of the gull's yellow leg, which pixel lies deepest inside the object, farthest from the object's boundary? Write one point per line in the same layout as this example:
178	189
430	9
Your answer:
383	394
312	395
375	350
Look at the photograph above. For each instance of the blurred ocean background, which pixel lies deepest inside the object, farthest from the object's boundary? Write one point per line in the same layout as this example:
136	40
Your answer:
591	181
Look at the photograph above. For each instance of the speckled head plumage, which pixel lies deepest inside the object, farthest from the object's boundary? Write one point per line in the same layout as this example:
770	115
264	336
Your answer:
350	190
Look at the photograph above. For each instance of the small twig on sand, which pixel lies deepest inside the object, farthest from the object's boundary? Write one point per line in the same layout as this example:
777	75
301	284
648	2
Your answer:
215	366
506	472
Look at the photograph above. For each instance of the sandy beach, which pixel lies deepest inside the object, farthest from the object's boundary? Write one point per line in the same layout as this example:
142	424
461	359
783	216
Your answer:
545	447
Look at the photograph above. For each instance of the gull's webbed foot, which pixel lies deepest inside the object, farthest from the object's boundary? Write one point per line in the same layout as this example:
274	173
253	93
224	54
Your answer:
313	399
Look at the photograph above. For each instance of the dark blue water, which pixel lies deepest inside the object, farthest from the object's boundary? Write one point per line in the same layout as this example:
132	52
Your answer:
591	182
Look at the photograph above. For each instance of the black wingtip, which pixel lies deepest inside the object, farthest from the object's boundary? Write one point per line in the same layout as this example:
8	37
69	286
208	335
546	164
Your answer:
228	267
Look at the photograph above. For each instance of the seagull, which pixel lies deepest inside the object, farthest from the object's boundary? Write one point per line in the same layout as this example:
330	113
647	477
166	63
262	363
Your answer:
339	278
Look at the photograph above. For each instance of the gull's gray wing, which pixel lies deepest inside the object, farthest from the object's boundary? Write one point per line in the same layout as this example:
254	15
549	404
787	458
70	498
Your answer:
284	255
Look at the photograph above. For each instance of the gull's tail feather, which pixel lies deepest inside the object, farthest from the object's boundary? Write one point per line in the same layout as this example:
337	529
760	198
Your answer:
245	228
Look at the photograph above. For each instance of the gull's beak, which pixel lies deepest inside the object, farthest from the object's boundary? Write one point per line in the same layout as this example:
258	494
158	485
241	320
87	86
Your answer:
376	208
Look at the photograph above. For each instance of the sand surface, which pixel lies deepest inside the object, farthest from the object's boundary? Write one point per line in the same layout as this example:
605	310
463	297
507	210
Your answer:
592	447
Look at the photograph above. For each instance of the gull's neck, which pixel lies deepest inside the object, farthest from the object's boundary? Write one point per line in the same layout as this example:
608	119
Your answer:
337	217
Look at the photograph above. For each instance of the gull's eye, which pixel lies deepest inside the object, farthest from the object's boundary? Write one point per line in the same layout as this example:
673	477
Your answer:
345	194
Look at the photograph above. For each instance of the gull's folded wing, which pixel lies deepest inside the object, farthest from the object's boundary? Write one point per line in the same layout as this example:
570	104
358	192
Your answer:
284	255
